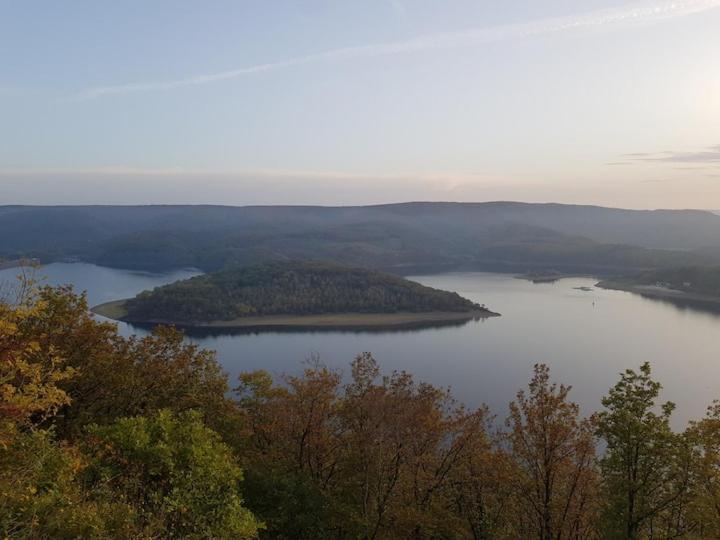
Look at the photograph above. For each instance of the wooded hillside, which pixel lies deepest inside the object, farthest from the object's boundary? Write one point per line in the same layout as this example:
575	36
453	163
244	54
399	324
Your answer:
401	238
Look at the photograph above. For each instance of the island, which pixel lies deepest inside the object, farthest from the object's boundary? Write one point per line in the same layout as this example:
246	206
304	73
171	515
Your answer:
295	295
688	285
542	276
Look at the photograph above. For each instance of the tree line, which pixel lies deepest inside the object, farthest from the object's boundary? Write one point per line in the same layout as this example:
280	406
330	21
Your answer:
103	436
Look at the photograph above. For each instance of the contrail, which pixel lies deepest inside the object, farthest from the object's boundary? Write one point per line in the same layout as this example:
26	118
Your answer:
627	15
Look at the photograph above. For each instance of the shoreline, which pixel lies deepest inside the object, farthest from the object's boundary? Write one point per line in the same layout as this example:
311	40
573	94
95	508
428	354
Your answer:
18	263
330	321
661	293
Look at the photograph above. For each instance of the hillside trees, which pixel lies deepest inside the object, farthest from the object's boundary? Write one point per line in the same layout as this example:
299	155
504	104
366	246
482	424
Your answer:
60	370
109	437
386	450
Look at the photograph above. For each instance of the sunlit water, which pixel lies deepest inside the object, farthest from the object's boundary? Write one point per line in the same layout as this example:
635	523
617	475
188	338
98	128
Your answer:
586	338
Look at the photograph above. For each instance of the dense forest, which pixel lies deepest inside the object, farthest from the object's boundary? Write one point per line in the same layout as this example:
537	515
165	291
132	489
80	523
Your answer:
401	238
289	288
103	436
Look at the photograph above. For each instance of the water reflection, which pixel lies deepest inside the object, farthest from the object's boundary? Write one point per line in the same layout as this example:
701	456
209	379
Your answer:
220	331
685	304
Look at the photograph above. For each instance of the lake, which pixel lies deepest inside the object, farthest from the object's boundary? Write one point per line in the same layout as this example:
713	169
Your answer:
586	337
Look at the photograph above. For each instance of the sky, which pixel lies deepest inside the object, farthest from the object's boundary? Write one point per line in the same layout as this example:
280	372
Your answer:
345	102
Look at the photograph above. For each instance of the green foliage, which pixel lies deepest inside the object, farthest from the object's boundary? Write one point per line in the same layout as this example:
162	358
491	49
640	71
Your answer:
294	507
645	465
43	496
178	474
299	288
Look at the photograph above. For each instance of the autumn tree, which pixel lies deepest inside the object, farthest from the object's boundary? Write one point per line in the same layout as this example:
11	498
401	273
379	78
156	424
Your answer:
704	507
385	454
554	450
112	376
292	453
483	495
32	368
407	443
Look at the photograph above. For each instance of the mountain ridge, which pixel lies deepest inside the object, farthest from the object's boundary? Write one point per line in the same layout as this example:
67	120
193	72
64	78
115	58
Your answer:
451	235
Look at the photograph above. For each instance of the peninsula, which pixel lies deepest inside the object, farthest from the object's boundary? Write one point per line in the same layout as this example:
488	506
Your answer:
295	294
691	285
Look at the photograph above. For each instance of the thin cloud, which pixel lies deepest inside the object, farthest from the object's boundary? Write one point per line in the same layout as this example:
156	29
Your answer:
629	15
709	157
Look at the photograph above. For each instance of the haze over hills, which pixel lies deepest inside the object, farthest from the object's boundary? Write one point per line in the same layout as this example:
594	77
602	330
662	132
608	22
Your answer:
496	235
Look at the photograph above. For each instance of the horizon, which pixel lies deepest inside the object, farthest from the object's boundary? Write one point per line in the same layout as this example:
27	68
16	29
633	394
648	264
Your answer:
399	203
315	102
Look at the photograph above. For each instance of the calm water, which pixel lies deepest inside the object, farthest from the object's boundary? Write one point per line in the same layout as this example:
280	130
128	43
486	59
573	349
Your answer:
585	337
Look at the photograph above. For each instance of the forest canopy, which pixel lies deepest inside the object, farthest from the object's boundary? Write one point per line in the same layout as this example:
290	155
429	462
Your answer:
289	288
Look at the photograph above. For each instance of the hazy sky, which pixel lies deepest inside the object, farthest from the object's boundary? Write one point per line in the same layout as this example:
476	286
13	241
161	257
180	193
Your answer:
606	102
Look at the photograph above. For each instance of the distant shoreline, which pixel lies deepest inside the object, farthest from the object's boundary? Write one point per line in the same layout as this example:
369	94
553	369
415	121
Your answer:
18	263
662	293
330	321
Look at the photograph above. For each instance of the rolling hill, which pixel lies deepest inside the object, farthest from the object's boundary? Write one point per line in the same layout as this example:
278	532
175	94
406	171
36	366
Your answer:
401	238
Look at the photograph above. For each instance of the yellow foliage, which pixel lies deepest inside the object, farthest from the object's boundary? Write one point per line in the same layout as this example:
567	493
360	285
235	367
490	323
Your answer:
30	370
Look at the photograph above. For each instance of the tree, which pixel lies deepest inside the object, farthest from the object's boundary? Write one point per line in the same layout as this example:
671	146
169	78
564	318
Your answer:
383	456
32	368
67	361
645	466
554	450
43	494
406	443
704	506
176	474
294	452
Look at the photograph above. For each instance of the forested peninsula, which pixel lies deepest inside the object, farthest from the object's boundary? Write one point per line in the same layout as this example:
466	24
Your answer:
692	285
295	294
